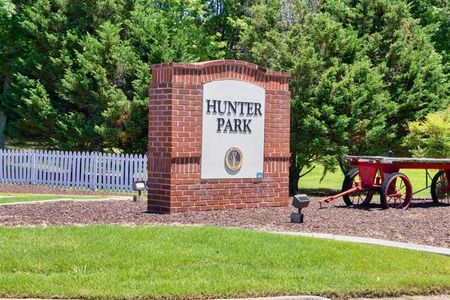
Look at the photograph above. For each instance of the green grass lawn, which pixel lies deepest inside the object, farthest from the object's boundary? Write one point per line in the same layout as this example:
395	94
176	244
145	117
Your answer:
332	182
125	262
41	197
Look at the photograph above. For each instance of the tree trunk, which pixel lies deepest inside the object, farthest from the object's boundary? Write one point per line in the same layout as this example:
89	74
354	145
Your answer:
344	165
2	129
294	176
6	86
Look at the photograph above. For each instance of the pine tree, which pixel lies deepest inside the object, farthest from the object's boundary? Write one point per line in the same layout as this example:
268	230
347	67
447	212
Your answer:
360	70
81	69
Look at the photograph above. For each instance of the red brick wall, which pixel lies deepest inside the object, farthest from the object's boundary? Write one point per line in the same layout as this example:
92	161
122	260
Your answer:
175	139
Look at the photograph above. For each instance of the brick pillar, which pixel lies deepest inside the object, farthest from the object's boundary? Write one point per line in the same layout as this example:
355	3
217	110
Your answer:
175	139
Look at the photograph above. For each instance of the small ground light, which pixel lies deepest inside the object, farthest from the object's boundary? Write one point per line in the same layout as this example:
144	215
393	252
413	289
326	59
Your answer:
299	201
139	186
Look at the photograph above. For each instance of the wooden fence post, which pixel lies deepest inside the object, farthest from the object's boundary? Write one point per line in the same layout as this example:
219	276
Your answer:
33	167
95	171
1	165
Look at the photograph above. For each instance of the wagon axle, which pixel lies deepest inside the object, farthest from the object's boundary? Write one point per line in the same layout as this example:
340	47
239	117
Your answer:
357	188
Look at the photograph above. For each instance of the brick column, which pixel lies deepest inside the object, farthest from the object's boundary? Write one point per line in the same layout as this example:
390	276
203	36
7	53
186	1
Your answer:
175	139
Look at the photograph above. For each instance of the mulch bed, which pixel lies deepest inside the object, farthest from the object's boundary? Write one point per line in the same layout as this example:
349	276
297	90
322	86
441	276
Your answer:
38	189
423	223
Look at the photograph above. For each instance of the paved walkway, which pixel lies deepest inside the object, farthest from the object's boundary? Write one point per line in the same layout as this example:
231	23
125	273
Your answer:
371	241
440	297
281	298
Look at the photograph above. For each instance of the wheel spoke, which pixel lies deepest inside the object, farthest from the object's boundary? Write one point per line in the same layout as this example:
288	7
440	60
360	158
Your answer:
396	192
440	188
359	196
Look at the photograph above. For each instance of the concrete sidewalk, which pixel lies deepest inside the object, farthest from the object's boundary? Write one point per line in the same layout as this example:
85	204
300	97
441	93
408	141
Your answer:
370	241
439	297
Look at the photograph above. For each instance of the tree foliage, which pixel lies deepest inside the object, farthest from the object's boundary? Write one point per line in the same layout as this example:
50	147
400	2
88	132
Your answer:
360	71
81	69
430	137
435	16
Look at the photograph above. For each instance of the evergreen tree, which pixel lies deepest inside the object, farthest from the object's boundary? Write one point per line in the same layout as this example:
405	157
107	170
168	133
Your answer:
7	11
81	69
435	16
404	54
360	71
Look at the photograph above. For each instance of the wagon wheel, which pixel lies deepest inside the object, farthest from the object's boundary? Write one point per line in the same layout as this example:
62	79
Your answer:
356	198
396	191
440	191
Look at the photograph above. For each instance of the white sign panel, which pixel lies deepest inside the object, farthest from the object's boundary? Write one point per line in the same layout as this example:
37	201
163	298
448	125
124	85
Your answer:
232	130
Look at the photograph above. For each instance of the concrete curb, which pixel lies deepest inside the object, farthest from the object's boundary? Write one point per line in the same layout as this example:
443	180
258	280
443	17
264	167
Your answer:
370	241
281	298
259	298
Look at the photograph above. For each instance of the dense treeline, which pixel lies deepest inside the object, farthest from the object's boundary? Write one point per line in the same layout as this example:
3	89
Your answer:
75	74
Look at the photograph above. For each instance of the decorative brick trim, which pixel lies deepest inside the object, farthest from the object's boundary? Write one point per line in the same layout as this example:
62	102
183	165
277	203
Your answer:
185	165
203	72
175	139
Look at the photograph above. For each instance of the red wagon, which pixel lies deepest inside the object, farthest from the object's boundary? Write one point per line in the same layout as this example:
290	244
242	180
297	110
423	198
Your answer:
380	175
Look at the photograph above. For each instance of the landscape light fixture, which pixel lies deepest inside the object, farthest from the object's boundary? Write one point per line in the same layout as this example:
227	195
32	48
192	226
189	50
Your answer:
139	186
299	201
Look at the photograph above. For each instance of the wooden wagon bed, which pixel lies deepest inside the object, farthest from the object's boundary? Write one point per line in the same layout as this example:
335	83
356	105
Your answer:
404	162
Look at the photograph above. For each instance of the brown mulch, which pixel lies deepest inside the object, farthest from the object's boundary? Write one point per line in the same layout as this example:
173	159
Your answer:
423	223
38	189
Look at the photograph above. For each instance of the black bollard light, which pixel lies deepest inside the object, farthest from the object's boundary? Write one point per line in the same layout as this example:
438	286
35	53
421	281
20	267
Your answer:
139	186
299	201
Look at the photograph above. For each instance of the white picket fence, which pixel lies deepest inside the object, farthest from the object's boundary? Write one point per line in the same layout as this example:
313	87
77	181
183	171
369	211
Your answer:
78	170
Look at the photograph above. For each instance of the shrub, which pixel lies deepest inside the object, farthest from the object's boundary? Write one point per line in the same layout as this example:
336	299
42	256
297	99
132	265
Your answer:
430	137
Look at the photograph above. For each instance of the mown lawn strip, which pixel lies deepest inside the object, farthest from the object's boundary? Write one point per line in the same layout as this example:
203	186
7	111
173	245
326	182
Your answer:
118	262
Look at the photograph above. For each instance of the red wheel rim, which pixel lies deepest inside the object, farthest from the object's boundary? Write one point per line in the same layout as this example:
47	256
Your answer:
443	189
358	198
399	192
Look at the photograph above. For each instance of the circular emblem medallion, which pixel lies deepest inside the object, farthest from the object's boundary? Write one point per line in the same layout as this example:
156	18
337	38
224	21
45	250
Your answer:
233	159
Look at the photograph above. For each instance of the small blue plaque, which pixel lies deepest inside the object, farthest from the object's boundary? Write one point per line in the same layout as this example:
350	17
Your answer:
259	174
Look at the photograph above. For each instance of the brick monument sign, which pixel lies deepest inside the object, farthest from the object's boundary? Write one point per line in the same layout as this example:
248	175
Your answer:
218	136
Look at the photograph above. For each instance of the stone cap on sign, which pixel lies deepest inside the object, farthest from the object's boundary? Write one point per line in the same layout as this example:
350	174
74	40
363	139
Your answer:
205	64
202	72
